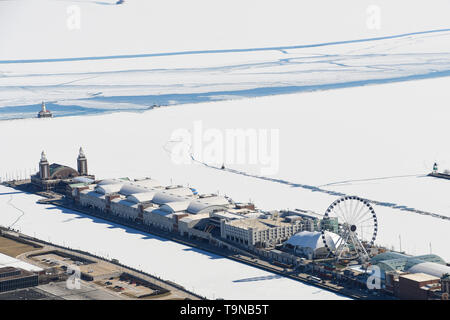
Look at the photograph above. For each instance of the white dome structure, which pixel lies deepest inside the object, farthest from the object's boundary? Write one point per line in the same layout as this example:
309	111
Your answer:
431	268
129	189
141	197
310	243
175	206
108	188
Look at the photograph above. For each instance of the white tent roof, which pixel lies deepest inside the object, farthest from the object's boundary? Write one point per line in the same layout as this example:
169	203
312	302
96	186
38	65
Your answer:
93	194
227	215
147	183
175	206
220	201
182	191
129	189
195	217
83	180
313	239
108	188
141	197
109	181
431	268
196	207
202	203
161	213
165	197
125	202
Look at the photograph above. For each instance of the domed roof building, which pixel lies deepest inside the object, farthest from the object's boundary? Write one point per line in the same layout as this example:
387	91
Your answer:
50	176
59	171
309	244
430	264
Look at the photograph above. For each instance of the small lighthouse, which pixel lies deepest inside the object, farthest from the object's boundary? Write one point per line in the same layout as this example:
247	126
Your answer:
44	113
435	167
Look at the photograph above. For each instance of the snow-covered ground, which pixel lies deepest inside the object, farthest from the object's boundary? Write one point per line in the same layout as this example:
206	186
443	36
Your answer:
135	55
204	273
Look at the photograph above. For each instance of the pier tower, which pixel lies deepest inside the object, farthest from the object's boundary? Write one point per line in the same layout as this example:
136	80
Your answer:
44	167
82	163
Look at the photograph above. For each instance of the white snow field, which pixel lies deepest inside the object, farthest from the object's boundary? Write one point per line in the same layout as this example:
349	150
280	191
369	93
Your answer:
141	53
50	28
204	273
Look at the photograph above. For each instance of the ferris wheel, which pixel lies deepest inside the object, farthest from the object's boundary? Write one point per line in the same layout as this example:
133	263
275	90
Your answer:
354	220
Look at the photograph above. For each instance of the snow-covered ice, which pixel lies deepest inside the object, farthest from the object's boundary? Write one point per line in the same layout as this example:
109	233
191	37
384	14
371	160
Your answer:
132	56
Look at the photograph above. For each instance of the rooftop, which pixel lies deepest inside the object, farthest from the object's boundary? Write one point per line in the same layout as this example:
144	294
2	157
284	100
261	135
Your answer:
258	224
313	239
195	217
10	273
419	277
7	269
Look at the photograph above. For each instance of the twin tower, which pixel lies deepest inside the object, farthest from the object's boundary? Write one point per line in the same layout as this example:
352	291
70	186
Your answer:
46	170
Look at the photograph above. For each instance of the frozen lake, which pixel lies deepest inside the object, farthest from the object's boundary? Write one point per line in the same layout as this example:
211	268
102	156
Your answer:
84	71
375	135
348	149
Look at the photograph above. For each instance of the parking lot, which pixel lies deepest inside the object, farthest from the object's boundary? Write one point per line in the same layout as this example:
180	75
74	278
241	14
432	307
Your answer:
96	270
128	288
